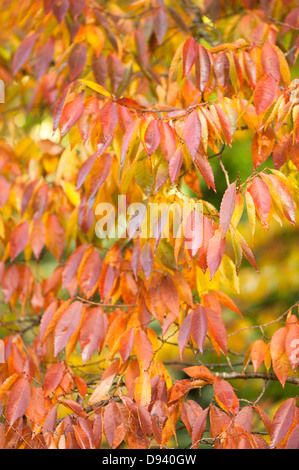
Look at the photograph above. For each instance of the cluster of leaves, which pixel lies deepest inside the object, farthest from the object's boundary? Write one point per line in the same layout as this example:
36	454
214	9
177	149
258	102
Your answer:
128	120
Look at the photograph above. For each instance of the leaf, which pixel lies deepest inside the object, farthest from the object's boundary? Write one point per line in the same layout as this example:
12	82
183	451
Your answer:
89	272
72	265
216	330
23	52
293	441
205	169
184	334
67	325
280	361
199	427
96	87
142	393
53	377
227	207
270	61
147	260
19	239
203	70
285	197
199	372
152	137
192	132
264	93
170	295
225	124
126	341
225	396
105	383
258	353
227	301
37	237
199	327
215	252
292	343
221	68
262	199
72	111
189	55
77	59
175	164
93	332
18	400
55	236
144	350
282	421
60	9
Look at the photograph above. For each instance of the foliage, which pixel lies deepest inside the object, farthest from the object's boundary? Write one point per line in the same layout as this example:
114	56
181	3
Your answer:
106	341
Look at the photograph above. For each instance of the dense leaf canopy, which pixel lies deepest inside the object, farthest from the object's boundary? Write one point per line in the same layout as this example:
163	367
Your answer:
129	340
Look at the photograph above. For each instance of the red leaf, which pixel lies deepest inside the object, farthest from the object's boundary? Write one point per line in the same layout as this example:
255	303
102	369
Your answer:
72	111
18	239
37	237
264	93
170	295
126	344
59	107
147	260
90	273
4	190
262	199
152	137
184	334
270	61
293	441
92	332
225	124
221	68
43	57
23	53
190	53
199	427
227	301
258	353
53	377
160	24
192	132
60	9
227	207
199	327
55	236
225	396
205	169
216	330
77	59
18	400
144	350
175	164
72	265
280	151
282	421
280	361
215	252
84	170
66	326
203	70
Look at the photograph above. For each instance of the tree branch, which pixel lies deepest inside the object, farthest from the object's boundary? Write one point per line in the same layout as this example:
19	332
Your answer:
247	375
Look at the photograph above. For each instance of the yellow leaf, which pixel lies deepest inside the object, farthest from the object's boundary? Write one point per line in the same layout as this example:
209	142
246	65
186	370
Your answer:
96	87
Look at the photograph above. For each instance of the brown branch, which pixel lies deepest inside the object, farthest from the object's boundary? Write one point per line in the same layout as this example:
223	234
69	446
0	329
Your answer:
247	375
